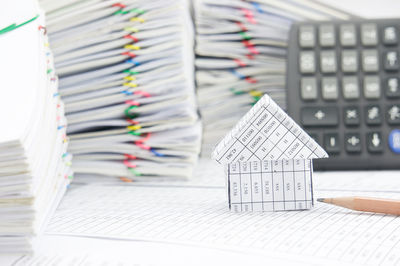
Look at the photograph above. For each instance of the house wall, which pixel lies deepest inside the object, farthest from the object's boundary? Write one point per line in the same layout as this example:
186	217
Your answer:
270	185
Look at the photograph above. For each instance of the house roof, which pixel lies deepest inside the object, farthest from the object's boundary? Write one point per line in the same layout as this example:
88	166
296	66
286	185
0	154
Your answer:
266	132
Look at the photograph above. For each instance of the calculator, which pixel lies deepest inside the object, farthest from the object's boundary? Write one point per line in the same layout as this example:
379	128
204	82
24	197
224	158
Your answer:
343	88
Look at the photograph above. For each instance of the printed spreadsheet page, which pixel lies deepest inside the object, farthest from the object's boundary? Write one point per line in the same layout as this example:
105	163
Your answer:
270	185
198	216
266	132
101	225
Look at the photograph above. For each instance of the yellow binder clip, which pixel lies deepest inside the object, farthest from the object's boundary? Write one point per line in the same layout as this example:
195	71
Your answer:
130	84
134	127
141	20
132	47
130	78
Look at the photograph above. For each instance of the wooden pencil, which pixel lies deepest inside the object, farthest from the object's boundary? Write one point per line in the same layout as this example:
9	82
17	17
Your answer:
365	204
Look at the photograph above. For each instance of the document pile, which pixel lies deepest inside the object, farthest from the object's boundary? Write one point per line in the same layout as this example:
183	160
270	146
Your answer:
126	77
241	49
34	165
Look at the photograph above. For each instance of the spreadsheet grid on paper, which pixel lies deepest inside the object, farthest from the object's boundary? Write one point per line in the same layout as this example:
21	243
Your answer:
270	185
270	135
198	216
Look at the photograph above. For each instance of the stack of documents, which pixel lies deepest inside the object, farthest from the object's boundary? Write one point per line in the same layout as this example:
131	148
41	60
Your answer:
241	50
127	79
34	165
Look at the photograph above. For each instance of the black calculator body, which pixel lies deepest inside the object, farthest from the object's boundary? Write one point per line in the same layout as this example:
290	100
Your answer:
343	88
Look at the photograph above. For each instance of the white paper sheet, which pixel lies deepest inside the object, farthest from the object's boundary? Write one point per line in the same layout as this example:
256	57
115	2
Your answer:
270	185
67	251
198	216
266	132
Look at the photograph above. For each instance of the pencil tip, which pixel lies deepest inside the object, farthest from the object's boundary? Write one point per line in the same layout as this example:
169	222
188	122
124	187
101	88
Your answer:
321	199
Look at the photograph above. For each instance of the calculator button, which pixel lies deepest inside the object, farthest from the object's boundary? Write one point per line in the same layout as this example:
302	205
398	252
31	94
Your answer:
328	61
370	61
319	116
307	36
349	61
394	141
393	114
327	35
348	35
373	115
390	35
391	60
369	34
351	116
307	62
353	143
330	89
350	88
332	143
309	88
392	87
372	87
374	142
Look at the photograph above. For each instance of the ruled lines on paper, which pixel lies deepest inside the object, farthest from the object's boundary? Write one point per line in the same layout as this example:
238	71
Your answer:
198	216
270	185
266	132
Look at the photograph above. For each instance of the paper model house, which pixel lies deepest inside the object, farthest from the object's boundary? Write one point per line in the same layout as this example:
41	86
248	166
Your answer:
268	160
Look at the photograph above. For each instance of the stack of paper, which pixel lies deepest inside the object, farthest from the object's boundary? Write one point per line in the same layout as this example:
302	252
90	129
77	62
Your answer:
241	49
126	77
34	165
